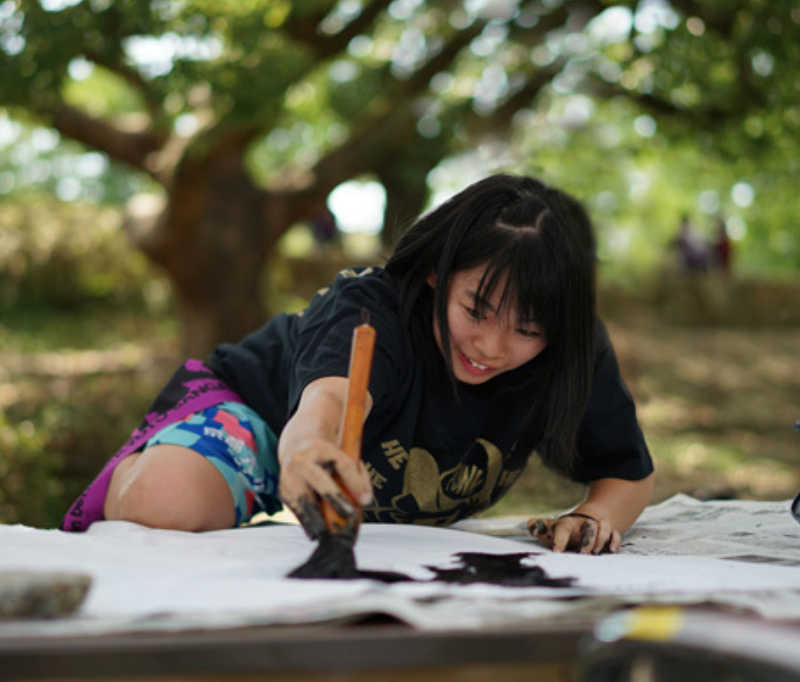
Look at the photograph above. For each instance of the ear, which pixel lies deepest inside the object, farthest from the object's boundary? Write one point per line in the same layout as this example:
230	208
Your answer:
431	279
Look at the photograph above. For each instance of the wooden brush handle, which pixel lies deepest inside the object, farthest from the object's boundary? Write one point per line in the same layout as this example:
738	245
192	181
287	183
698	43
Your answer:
361	351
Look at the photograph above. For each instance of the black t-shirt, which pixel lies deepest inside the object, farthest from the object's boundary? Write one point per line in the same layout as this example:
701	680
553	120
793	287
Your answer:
431	459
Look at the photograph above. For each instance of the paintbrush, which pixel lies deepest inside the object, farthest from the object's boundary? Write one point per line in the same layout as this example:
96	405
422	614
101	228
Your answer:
334	557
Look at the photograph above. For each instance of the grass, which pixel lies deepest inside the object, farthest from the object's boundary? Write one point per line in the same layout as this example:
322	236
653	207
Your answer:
37	329
717	405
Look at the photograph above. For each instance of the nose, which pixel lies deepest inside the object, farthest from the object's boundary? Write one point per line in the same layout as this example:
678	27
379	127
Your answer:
492	342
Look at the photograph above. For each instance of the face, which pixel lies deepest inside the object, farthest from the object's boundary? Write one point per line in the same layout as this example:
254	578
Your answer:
485	344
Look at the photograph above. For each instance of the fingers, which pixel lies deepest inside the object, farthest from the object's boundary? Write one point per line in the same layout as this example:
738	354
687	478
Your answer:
572	533
608	539
309	514
615	543
355	479
588	537
542	530
322	471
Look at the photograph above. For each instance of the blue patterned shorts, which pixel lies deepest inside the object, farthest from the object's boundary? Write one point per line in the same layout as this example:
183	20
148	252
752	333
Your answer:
240	444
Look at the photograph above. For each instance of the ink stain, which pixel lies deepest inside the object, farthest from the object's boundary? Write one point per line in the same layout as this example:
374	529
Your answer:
330	560
498	569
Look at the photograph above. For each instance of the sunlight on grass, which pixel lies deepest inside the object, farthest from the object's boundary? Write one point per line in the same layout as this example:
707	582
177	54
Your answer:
35	330
688	464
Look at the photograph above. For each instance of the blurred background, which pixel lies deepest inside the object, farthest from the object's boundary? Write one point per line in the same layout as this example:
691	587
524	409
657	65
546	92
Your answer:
173	171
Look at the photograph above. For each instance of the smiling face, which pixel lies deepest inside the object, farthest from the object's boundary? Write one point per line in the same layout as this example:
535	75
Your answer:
485	341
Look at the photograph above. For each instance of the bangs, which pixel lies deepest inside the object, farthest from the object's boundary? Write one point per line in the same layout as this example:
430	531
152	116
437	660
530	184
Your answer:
536	246
530	276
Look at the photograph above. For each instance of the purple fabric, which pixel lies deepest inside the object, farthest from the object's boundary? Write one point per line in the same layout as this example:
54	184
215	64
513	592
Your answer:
193	387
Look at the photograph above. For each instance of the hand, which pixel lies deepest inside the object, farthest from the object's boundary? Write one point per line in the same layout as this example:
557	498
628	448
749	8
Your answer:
320	470
576	532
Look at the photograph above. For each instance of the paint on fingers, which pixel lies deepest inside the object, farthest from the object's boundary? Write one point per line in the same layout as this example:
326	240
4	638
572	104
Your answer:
588	535
542	531
309	515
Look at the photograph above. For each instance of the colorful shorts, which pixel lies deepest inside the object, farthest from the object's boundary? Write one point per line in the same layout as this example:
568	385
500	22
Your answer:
242	447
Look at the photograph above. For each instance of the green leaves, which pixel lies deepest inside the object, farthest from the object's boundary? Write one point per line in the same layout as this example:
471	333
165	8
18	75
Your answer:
316	86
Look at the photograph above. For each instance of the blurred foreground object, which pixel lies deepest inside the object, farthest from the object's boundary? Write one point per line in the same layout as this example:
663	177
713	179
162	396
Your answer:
665	643
41	594
796	502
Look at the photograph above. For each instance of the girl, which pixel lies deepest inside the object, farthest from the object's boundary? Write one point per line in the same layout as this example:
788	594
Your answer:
488	349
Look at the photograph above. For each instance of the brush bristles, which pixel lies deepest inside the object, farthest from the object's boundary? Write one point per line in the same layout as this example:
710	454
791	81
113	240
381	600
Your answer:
333	558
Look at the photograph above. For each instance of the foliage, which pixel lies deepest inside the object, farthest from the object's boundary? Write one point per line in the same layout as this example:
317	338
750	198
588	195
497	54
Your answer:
73	384
59	432
236	118
26	475
244	116
67	254
637	184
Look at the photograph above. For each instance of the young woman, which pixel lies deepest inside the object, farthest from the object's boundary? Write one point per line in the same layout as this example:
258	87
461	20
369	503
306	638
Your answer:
488	350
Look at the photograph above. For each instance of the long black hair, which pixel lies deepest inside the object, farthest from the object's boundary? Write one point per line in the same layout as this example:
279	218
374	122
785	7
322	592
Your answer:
538	240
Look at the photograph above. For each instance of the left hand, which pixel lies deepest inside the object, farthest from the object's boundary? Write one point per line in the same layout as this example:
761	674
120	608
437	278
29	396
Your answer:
575	532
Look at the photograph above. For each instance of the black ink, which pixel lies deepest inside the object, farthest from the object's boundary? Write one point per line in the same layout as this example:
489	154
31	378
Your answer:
587	534
333	558
498	569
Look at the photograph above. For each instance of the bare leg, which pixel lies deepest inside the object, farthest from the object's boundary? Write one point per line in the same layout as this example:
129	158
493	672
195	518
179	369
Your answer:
170	486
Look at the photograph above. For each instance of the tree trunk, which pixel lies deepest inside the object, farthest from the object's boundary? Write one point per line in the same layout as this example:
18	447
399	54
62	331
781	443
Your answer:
406	193
213	243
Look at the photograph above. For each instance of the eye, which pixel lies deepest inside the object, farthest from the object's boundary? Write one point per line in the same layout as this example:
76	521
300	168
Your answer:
474	313
530	333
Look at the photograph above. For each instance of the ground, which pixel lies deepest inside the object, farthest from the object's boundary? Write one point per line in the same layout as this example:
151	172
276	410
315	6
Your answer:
717	406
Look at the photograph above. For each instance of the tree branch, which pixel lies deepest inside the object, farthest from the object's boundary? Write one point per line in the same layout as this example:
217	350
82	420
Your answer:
383	138
387	133
521	99
708	117
439	62
134	79
379	136
721	22
306	30
132	148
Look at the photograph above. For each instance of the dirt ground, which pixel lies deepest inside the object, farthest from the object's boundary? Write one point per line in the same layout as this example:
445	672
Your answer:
717	406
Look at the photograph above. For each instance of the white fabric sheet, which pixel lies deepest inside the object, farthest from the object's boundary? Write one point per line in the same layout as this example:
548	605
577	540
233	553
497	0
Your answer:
145	579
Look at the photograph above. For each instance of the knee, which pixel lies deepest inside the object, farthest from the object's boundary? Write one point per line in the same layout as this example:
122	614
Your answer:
171	497
144	498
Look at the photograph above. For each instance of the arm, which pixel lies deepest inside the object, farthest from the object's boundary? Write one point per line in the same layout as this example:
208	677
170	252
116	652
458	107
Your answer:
309	455
612	505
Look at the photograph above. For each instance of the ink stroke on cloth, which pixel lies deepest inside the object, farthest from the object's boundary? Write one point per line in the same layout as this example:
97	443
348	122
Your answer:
747	558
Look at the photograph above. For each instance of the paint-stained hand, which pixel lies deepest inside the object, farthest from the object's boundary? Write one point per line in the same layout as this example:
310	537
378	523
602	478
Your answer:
576	532
309	474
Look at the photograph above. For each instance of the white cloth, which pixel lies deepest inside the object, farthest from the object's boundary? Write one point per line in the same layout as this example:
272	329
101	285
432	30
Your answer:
145	579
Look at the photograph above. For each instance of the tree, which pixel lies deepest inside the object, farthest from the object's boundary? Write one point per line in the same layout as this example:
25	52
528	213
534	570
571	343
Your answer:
259	108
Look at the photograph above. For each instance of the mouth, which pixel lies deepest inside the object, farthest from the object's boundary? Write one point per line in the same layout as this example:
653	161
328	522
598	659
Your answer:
472	367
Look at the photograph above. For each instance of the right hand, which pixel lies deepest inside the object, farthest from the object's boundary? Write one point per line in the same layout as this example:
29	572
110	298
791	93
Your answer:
309	474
